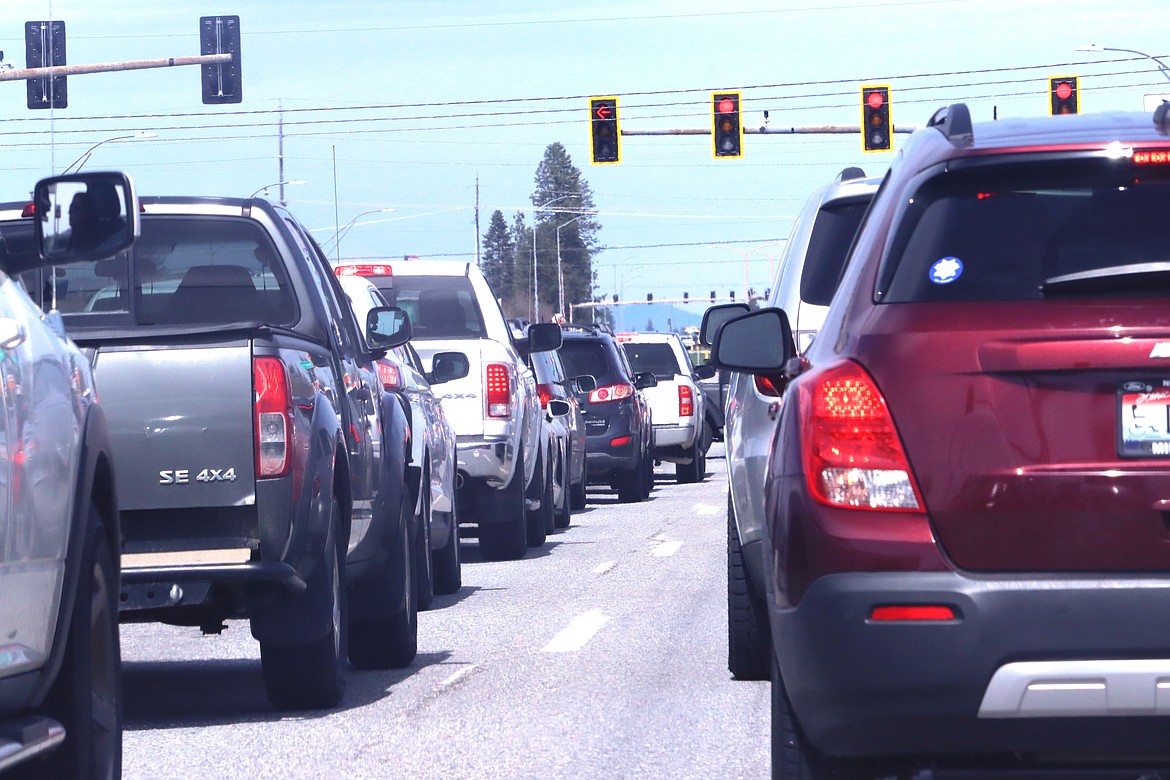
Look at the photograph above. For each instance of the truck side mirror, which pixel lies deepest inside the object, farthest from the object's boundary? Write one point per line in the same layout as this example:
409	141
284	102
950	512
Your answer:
84	217
544	337
447	367
388	327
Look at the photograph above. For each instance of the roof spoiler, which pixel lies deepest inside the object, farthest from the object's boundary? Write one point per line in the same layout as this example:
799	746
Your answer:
954	122
849	174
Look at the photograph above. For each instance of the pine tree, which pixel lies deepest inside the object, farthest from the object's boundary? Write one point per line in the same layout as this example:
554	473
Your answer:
563	200
499	256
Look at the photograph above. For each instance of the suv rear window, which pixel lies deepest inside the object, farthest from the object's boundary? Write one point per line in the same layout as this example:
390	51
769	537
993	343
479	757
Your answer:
582	356
832	235
440	307
1032	229
658	359
182	270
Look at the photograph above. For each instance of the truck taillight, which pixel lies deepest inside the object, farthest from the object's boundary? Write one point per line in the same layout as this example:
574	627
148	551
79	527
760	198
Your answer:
499	390
853	456
686	401
273	423
389	374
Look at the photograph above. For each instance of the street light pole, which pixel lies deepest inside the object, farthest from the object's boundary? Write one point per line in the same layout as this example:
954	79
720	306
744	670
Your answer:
275	184
1162	67
349	225
535	275
80	161
560	274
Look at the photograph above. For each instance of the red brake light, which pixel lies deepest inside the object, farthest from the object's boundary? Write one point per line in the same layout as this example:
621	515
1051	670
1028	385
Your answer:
364	269
545	392
767	387
620	441
852	454
29	210
273	417
611	393
499	394
1151	157
912	612
390	375
686	401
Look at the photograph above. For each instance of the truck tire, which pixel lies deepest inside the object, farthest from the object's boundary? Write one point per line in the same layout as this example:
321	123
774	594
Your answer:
564	513
577	496
390	642
540	519
694	471
424	575
506	539
446	562
87	694
749	641
311	676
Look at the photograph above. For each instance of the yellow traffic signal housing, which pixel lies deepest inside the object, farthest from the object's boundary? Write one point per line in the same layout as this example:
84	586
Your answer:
1063	95
604	133
877	124
726	129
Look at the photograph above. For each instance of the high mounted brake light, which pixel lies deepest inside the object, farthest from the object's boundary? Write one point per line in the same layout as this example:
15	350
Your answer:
1151	157
364	269
29	211
852	454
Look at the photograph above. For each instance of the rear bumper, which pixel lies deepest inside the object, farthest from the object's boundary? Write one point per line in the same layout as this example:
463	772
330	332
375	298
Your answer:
1044	664
491	459
672	440
168	586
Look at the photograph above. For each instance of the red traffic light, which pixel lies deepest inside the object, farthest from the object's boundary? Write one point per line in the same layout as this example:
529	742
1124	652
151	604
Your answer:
1064	90
875	99
726	106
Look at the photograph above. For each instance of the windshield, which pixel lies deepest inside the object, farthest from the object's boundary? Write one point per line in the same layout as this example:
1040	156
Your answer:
657	359
1027	230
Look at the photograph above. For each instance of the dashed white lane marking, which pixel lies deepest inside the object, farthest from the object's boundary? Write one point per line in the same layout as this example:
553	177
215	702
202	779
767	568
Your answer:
455	677
605	567
666	549
577	633
707	509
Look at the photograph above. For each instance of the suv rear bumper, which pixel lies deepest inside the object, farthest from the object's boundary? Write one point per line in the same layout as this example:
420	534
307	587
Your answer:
1036	664
488	458
680	436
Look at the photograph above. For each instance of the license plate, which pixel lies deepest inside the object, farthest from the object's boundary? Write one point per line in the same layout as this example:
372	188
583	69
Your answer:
1143	419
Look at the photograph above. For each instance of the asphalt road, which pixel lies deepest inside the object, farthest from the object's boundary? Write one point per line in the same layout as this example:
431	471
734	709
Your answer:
603	654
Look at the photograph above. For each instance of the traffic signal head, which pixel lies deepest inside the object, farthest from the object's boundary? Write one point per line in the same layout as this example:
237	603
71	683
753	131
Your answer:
877	126
604	134
221	80
1062	94
727	130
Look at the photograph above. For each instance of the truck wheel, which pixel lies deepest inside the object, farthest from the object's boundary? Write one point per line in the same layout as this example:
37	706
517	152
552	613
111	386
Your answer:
87	694
631	485
648	483
424	582
311	676
507	539
390	642
446	563
540	520
564	513
577	496
696	469
749	642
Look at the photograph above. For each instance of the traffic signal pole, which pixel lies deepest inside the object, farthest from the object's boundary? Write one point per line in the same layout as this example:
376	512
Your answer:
24	74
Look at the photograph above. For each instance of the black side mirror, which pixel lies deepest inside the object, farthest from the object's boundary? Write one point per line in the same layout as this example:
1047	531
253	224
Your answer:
586	383
388	327
644	380
705	371
84	217
557	408
544	337
716	316
448	366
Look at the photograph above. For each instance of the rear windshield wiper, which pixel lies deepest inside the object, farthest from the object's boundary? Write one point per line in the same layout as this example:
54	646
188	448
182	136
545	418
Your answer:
1134	278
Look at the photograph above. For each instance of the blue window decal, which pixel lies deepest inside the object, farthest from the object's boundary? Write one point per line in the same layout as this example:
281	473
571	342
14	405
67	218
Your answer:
946	270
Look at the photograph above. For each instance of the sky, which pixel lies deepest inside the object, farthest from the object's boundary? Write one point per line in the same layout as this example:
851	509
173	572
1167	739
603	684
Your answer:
408	120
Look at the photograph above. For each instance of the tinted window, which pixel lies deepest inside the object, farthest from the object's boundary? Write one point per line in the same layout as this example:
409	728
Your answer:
439	306
1009	231
658	359
582	357
832	235
180	271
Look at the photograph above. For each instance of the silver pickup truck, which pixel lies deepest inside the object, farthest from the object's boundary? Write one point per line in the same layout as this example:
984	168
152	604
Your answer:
495	409
260	462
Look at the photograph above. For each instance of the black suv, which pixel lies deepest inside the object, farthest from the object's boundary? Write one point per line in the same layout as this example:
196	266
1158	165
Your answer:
618	432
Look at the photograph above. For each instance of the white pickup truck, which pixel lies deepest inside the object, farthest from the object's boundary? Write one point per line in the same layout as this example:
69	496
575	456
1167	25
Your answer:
495	409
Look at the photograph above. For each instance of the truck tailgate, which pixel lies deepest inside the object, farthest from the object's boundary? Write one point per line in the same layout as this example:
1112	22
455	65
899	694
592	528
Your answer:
180	422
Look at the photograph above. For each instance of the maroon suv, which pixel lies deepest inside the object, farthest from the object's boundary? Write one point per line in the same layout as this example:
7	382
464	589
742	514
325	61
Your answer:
968	497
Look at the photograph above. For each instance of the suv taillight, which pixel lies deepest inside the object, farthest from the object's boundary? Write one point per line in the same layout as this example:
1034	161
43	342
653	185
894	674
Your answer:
852	454
273	423
686	401
499	391
546	393
611	393
389	374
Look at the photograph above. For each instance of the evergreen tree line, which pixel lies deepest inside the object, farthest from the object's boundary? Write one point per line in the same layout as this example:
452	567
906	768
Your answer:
561	200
